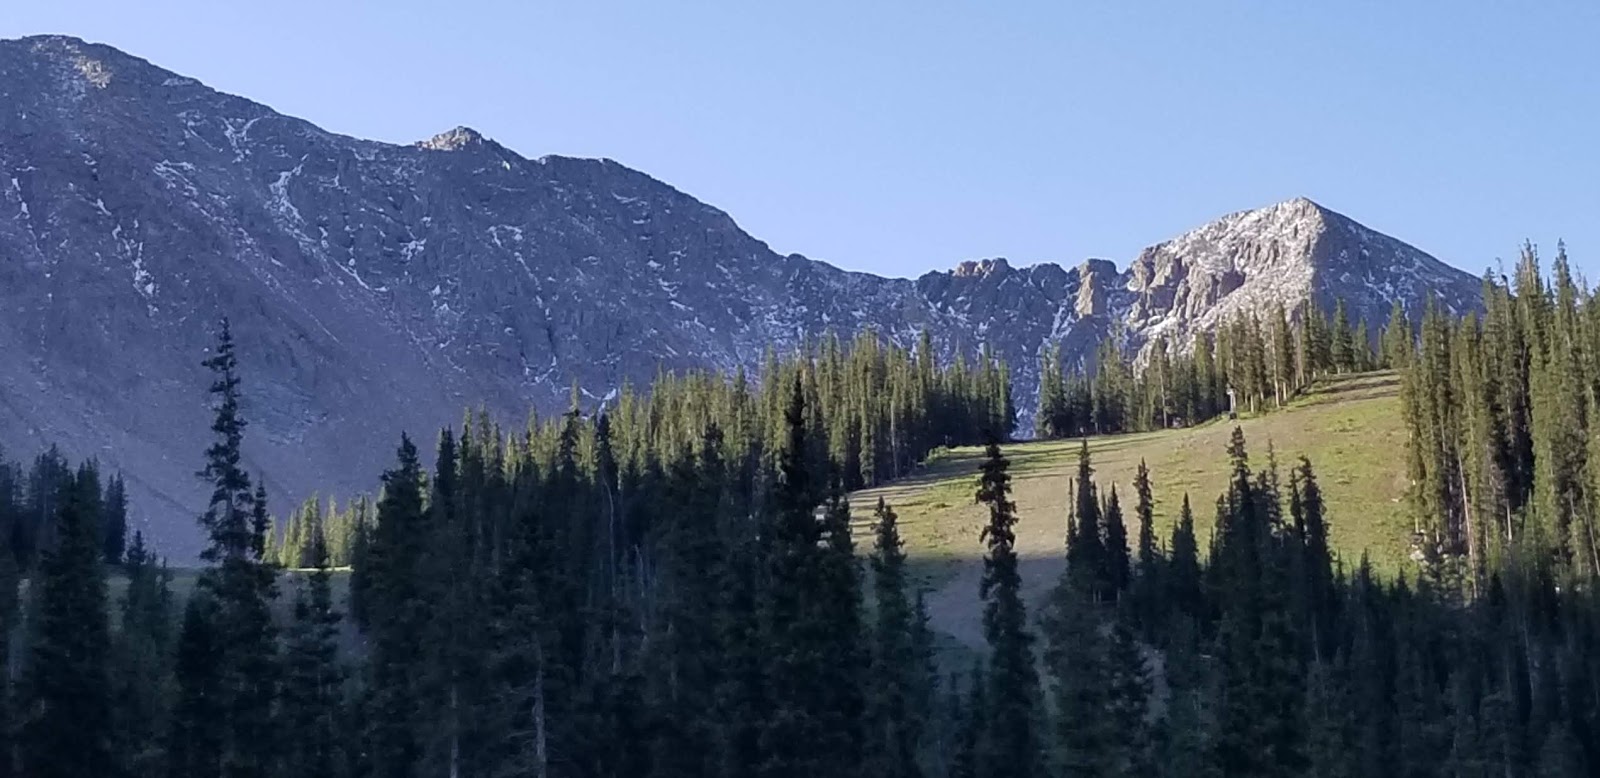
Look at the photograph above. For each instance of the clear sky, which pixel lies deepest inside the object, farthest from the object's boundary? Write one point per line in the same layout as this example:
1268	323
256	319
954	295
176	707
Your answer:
902	137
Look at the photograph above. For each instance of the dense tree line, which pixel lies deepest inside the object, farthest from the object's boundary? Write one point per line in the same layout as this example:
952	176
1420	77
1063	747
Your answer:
1501	409
673	586
1267	656
1247	365
30	497
319	530
665	587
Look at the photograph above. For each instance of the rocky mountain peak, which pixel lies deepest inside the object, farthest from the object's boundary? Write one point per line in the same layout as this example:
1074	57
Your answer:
454	140
982	268
1294	254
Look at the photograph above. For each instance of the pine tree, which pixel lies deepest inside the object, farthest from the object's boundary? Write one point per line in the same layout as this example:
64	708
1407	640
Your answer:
1051	420
1128	689
1087	556
894	723
1330	738
1010	748
1078	661
313	680
66	683
1284	379
1118	569
1149	579
114	519
235	592
1183	579
140	663
972	729
197	737
793	626
1397	339
9	611
840	596
395	563
1342	345
1259	727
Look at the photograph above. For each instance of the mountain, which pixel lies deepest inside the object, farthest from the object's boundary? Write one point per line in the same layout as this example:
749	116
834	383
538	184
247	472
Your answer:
376	288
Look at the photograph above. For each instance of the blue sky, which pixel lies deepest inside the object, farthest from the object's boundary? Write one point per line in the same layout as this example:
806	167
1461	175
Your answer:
903	137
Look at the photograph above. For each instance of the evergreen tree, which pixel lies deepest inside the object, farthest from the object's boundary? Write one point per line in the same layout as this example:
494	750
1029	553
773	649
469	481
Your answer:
313	680
10	610
1342	344
793	624
894	723
1183	579
1148	582
141	663
1118	569
1087	556
235	593
1009	746
114	519
1078	660
66	684
1052	419
1259	725
196	738
1397	339
840	596
395	562
972	727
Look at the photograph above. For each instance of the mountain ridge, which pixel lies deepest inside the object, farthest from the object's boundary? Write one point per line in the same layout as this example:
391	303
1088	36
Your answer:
376	287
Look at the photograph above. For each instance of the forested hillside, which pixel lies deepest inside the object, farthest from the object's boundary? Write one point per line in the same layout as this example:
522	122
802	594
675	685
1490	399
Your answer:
677	583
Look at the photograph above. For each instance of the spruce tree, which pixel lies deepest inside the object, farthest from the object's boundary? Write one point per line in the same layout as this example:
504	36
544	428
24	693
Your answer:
197	736
68	729
394	699
313	680
1397	339
1183	579
1010	747
141	663
1087	556
10	609
1342	345
114	519
1118	568
235	591
967	759
839	595
1128	688
894	721
1077	658
1148	581
794	631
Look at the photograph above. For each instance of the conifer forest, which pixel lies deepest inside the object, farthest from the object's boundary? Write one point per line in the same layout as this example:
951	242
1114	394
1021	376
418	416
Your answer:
675	583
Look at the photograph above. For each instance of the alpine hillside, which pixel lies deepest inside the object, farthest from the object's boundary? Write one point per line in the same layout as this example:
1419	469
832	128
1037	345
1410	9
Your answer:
375	288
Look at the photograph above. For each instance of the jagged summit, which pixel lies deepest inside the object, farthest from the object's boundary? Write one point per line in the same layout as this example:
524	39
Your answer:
981	267
454	140
378	288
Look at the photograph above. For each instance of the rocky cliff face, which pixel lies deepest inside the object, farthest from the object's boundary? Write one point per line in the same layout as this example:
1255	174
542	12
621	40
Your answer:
1288	253
377	288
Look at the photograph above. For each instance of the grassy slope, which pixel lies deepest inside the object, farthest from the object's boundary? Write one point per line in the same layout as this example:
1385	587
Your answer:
1349	428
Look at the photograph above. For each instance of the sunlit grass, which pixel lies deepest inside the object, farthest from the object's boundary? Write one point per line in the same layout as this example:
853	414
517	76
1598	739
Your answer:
1348	427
